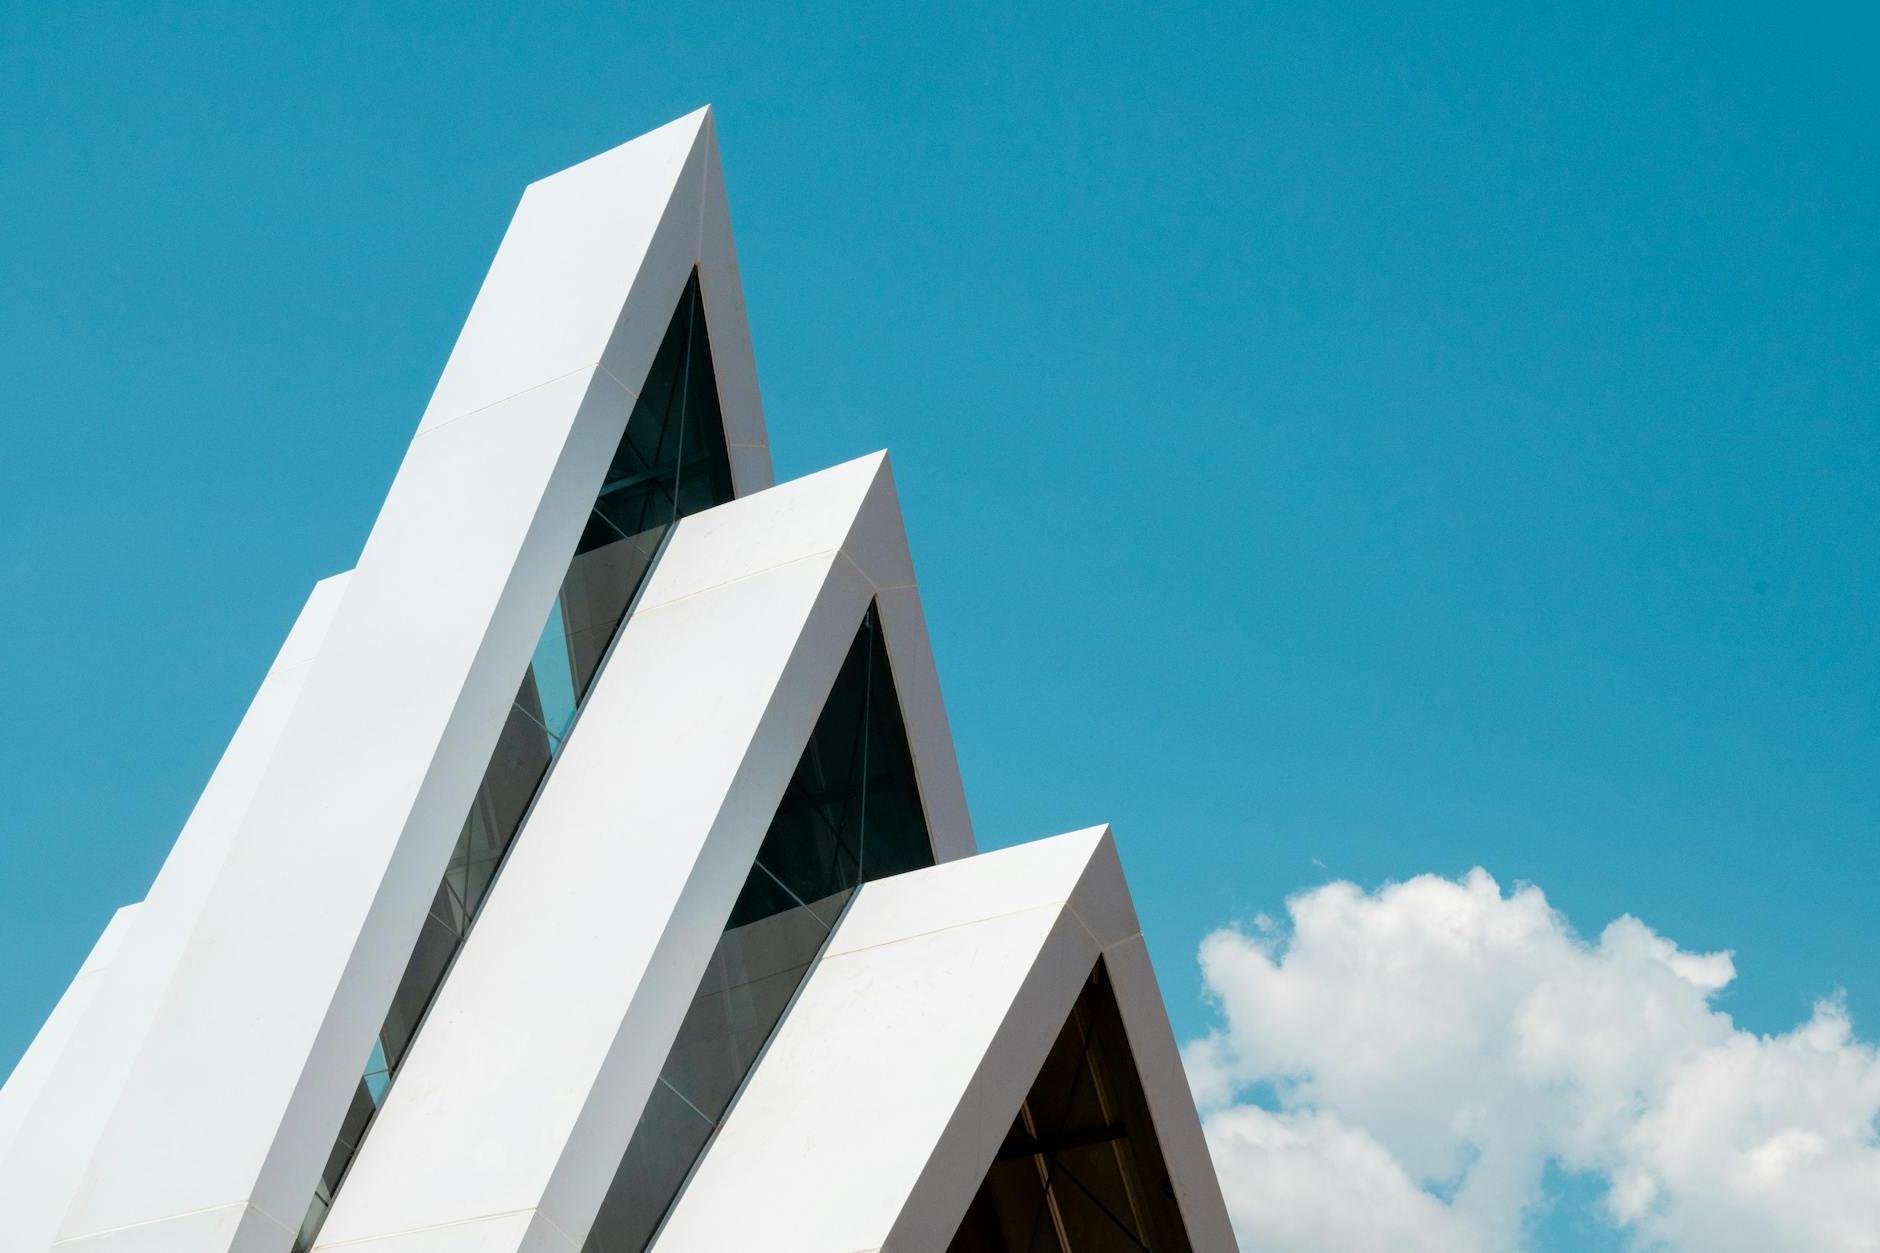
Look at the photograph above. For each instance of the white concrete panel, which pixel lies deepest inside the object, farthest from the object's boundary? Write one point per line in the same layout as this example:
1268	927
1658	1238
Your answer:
23	1087
801	520
238	1226
528	1231
957	893
931	1041
568	992
894	1031
589	273
558	289
876	541
41	1170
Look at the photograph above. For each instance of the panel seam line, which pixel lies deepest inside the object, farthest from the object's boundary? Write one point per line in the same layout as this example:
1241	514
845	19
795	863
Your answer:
632	395
1063	904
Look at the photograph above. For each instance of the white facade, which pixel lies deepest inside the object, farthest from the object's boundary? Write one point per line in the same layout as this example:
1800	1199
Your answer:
593	869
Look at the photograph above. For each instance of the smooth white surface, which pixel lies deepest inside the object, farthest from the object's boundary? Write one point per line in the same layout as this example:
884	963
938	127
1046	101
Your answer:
23	1087
884	1096
573	983
235	1097
41	1169
589	273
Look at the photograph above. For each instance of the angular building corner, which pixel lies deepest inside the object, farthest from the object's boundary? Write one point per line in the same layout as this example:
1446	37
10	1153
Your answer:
592	872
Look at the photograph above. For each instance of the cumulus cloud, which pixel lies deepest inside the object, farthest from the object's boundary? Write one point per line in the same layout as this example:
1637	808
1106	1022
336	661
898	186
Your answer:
1397	1070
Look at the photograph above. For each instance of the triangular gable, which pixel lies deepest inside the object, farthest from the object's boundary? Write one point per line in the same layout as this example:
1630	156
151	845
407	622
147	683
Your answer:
883	1111
1081	1169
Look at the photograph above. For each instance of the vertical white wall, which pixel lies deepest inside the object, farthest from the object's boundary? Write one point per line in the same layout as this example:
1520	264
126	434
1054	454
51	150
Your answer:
219	1132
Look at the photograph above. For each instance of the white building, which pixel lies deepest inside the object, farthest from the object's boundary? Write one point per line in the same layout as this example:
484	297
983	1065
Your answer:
592	870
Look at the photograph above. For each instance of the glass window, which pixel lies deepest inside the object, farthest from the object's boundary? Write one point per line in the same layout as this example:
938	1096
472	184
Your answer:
1081	1170
670	1134
851	812
671	462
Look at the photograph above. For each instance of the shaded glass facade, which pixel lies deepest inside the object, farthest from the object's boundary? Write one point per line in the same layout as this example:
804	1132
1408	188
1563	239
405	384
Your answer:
671	461
851	812
1080	1171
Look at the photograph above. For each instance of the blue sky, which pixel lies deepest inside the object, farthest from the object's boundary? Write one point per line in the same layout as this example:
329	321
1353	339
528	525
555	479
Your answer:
1338	442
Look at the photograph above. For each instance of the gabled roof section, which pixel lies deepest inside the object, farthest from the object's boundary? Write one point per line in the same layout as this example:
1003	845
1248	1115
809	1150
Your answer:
939	1009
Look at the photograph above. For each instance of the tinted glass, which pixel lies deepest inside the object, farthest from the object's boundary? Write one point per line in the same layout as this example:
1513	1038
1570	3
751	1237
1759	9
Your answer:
851	812
1080	1170
669	1136
671	461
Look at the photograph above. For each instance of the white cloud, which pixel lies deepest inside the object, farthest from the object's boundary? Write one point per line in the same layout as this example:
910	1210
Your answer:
1428	1049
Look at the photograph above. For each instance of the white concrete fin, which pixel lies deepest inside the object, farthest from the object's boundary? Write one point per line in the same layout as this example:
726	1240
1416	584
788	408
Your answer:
888	1092
238	1088
807	518
588	274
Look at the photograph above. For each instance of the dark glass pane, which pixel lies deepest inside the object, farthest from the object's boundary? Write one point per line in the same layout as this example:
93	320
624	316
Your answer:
671	461
1081	1170
897	839
704	461
754	972
517	766
358	1114
811	846
762	895
1093	1200
322	1202
1010	1210
665	1143
601	583
437	944
852	809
